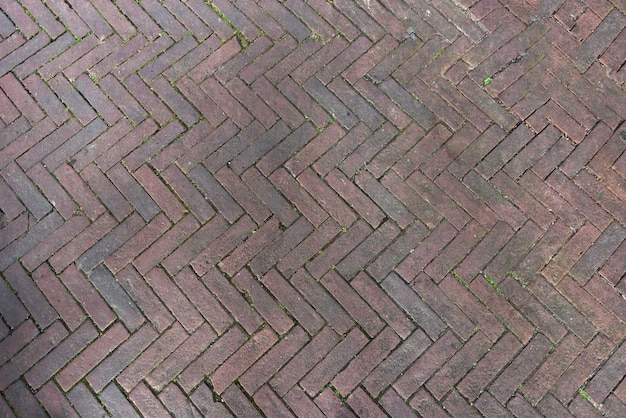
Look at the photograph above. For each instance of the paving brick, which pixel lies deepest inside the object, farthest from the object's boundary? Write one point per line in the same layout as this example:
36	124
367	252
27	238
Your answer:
58	297
329	402
355	197
268	59
607	295
427	364
61	355
263	302
36	203
13	230
23	400
117	298
367	250
109	243
116	402
254	104
232	300
517	372
82	242
335	155
173	398
579	200
301	404
444	307
243	195
166	244
346	381
123	355
84	401
107	192
308	248
54	401
34	351
136	244
275	358
395	405
274	99
221	246
230	69
299	196
412	304
26	141
55	241
550	371
178	360
27	242
549	198
331	103
147	150
606	243
195	98
426	251
191	149
30	295
532	309
146	402
100	145
189	195
456	288
514	251
434	195
604	320
495	299
18	339
11	206
85	293
426	405
91	356
242	359
174	299
384	199
356	103
386	372
326	197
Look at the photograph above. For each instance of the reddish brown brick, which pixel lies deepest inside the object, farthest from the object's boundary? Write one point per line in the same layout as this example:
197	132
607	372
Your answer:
412	304
604	320
91	356
62	354
443	306
242	359
216	354
263	303
308	248
355	197
275	358
426	251
232	300
58	296
180	358
367	250
18	339
35	350
91	301
135	245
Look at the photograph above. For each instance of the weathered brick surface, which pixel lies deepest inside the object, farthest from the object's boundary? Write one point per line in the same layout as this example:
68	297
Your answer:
312	208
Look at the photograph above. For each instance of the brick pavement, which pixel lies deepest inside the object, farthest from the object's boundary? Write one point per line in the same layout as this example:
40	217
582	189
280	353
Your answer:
312	208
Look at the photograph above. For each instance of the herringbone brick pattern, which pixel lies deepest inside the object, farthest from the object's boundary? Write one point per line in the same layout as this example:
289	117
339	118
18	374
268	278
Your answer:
312	208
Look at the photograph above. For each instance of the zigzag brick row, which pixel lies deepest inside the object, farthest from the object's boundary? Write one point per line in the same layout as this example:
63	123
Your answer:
312	208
